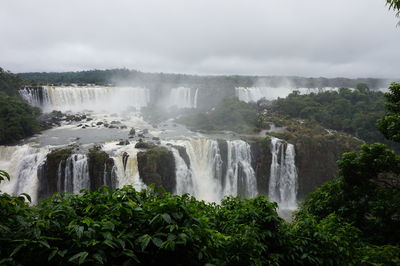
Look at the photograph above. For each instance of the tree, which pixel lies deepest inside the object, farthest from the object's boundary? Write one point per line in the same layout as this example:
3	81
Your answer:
394	5
389	125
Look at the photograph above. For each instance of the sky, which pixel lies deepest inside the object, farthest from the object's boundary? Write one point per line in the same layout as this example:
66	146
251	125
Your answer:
340	38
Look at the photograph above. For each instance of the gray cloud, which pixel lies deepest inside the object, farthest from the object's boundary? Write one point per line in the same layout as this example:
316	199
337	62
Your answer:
356	38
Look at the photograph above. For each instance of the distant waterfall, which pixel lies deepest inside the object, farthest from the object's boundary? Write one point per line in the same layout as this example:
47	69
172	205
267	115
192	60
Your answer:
253	94
75	175
182	97
283	178
206	178
79	98
22	163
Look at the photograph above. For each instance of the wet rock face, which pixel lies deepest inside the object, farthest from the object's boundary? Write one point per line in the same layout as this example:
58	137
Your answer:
183	153
48	172
100	169
316	161
223	150
157	166
261	162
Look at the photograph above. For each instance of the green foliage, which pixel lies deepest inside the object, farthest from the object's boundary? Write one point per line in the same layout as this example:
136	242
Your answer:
126	227
17	119
157	167
394	5
230	114
4	175
329	241
144	145
9	83
389	125
354	112
366	195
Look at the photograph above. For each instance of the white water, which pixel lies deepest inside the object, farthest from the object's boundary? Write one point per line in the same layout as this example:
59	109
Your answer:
182	97
95	98
240	174
283	179
22	163
253	94
204	179
76	174
125	169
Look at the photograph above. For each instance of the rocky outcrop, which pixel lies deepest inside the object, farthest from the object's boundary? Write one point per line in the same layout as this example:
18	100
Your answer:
223	151
100	168
316	160
157	166
261	162
48	172
183	153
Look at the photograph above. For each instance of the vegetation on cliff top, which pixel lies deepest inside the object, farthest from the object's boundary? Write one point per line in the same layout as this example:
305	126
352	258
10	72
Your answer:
17	118
354	112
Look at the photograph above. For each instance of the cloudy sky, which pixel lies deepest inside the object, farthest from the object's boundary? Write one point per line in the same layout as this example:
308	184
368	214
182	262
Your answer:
350	38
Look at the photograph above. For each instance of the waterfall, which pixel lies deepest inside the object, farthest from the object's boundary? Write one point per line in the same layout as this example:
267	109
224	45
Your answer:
22	163
283	179
182	97
75	176
184	175
125	170
240	178
253	94
79	98
206	179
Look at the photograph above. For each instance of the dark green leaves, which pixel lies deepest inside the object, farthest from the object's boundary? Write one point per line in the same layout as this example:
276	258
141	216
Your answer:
79	257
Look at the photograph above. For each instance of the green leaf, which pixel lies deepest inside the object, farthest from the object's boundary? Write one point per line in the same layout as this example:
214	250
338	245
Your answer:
52	254
166	217
17	249
156	241
81	256
144	241
44	243
98	258
27	197
4	174
62	253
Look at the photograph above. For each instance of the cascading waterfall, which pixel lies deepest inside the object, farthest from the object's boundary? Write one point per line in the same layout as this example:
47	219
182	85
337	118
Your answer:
205	177
125	170
240	178
75	176
283	179
184	175
78	98
22	163
182	97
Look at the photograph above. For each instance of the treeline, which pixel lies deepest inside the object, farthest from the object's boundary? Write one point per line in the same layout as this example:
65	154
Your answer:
17	118
133	77
354	112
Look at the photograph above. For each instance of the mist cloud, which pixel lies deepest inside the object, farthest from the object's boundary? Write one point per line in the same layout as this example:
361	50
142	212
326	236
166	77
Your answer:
356	38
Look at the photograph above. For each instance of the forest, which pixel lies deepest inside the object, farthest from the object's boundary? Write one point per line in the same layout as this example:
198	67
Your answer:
17	118
138	78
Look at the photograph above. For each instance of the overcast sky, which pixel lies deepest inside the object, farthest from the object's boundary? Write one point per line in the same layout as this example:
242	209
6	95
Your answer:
350	38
